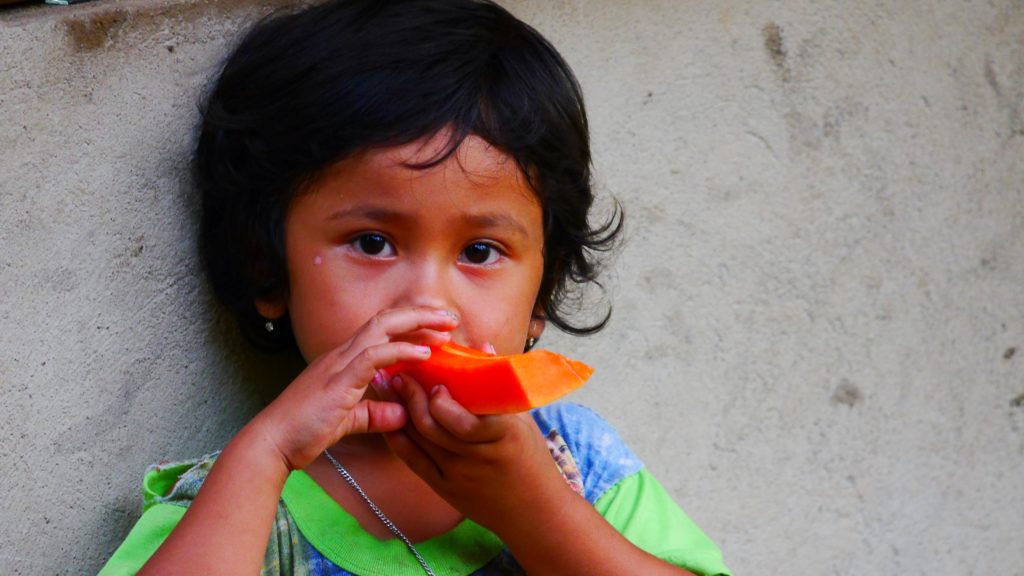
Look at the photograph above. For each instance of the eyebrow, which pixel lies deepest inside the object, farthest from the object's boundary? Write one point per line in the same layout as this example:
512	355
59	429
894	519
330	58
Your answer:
365	212
498	220
487	220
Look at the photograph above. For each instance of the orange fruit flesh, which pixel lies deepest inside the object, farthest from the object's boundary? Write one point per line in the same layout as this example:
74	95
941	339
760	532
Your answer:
486	384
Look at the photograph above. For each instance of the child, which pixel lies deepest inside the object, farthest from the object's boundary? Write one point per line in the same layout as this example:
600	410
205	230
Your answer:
379	177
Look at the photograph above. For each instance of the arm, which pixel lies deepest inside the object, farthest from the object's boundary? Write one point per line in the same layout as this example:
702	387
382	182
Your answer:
576	540
496	470
227	526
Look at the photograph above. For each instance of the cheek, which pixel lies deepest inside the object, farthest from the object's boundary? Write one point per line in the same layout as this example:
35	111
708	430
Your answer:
516	313
317	305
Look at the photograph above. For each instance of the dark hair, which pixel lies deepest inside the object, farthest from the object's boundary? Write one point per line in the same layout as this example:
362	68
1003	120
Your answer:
303	91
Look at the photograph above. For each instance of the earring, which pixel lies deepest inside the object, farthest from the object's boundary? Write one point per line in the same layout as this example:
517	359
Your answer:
269	326
536	327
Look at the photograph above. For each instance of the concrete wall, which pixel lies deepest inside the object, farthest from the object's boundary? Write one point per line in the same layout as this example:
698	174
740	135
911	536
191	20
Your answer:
818	341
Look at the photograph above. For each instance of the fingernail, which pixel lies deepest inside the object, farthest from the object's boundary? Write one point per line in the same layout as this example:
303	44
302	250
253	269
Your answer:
423	350
436	390
448	314
489	348
381	387
396	382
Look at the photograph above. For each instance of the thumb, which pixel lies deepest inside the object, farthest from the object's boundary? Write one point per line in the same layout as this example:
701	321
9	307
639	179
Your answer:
375	416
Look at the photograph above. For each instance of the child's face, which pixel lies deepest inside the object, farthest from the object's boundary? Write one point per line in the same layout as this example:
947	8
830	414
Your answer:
374	234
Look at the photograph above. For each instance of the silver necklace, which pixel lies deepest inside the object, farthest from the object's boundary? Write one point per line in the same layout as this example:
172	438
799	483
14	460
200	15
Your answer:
380	515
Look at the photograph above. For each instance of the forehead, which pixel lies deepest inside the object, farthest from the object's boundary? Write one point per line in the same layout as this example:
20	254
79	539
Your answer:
475	166
475	157
476	183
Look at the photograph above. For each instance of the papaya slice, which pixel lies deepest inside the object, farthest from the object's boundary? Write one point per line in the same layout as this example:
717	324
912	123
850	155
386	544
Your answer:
486	384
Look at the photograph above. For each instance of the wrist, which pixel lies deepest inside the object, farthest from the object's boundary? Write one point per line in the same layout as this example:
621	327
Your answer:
551	503
256	446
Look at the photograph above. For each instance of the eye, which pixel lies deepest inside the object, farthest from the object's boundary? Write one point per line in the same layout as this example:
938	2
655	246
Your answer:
374	245
480	253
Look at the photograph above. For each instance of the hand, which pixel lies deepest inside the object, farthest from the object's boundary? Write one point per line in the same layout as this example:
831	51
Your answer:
325	402
493	469
497	471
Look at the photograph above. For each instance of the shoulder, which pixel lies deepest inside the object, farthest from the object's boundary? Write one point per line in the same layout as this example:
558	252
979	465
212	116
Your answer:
175	482
626	494
167	489
601	455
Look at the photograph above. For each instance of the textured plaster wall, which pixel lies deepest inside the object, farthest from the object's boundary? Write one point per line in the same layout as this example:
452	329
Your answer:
818	340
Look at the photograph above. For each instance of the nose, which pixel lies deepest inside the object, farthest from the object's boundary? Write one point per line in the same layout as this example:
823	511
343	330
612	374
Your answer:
428	282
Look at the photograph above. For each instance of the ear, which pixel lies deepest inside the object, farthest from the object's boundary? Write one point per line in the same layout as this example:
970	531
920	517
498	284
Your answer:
271	308
537	323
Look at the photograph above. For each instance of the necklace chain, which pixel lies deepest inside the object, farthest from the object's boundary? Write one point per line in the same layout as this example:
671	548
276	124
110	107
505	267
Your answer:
377	511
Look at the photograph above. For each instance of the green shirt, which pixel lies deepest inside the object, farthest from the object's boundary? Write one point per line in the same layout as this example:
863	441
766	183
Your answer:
313	535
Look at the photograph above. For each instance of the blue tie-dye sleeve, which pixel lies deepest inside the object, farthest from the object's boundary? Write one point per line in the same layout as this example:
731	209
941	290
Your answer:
601	455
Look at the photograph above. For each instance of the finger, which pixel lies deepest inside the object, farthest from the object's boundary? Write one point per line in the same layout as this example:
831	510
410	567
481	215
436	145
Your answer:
462	424
382	389
416	458
425	336
439	456
393	322
420	418
369	416
358	373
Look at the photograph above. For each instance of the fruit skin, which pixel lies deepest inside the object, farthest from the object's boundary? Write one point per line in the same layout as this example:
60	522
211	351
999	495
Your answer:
486	384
